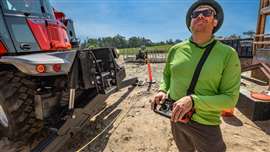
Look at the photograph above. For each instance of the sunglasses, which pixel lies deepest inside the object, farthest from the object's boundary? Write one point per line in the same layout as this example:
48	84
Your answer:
205	13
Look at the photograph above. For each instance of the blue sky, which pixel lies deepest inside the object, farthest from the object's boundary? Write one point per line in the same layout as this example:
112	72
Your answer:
158	20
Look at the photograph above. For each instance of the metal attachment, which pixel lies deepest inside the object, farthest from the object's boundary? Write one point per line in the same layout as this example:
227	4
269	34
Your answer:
3	117
71	99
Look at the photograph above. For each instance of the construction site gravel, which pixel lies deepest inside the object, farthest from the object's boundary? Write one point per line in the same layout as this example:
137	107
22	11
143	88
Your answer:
127	124
135	128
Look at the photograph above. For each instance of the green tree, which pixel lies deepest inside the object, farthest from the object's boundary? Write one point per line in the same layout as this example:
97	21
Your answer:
120	41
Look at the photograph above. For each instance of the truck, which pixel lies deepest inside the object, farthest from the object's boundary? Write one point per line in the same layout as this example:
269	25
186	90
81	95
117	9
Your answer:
45	75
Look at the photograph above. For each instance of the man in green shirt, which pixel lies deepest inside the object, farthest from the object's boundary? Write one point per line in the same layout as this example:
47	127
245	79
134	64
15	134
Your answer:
216	89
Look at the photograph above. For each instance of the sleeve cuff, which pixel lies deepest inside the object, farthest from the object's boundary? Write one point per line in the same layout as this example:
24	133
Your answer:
194	100
193	104
161	90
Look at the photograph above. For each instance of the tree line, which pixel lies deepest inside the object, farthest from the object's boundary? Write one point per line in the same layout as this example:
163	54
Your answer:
119	41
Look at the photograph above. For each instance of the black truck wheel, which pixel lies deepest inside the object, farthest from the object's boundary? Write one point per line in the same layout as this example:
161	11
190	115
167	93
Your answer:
17	114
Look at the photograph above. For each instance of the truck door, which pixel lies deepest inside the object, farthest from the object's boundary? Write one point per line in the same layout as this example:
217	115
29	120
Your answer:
16	14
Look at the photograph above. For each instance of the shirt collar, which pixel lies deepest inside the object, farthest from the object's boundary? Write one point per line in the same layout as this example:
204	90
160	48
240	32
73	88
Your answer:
202	46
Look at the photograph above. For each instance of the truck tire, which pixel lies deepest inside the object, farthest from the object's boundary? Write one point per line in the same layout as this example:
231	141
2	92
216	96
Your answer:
17	113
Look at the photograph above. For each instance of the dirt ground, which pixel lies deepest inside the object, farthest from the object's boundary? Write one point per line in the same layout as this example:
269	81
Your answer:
128	125
135	128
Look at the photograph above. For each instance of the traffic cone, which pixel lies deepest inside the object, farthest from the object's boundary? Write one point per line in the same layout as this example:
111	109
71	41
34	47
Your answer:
149	72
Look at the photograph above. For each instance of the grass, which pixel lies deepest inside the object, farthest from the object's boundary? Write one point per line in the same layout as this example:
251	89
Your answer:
160	49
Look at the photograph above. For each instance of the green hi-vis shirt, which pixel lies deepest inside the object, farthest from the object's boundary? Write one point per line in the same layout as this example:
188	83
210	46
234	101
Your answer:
219	82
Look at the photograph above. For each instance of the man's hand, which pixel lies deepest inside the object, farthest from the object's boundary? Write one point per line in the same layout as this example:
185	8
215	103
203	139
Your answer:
159	98
181	107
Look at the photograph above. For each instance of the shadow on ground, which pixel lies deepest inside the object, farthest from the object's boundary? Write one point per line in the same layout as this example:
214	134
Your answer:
264	125
94	128
234	121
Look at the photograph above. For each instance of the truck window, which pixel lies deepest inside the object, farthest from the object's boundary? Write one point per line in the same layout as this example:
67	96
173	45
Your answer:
22	6
49	9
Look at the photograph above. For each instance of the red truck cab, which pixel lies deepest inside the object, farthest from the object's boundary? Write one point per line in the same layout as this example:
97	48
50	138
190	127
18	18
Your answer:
33	26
